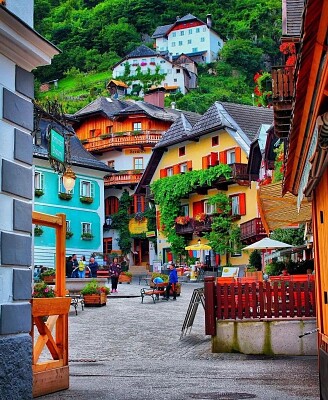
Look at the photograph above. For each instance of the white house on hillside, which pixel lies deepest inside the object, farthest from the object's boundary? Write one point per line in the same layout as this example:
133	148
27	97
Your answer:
191	36
180	75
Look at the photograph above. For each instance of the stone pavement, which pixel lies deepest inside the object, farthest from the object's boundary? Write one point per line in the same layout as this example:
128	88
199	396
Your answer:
132	351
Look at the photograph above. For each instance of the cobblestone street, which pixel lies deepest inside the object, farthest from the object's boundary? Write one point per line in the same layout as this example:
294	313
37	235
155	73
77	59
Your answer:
132	351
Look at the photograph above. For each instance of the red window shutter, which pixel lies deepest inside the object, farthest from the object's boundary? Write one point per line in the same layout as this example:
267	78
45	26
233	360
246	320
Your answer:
197	208
142	203
135	203
238	154
158	220
205	162
189	165
176	169
214	158
162	173
223	157
242	203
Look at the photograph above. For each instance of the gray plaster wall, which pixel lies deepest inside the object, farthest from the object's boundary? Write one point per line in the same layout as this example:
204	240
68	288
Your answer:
16	184
15	367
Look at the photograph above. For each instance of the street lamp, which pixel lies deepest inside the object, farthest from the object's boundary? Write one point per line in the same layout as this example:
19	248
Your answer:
69	178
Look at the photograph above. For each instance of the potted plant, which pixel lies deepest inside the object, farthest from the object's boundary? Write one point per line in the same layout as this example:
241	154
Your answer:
38	231
38	192
201	217
86	199
87	236
94	295
44	301
125	276
182	220
48	276
65	196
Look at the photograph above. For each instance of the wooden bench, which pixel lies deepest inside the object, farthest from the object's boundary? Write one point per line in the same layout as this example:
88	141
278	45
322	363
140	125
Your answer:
158	290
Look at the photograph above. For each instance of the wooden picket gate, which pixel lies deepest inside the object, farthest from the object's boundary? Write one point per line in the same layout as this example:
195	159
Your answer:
48	315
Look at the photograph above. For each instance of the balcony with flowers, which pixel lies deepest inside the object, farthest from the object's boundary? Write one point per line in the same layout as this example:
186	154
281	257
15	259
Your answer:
185	225
125	177
119	140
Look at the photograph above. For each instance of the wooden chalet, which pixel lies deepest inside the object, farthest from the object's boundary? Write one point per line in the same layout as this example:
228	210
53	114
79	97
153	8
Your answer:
306	172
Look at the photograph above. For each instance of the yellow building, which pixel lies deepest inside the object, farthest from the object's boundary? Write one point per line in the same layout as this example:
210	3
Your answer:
222	136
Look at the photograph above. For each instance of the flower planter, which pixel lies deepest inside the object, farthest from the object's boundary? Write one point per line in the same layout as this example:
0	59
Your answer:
86	200
124	278
65	196
49	278
50	306
95	300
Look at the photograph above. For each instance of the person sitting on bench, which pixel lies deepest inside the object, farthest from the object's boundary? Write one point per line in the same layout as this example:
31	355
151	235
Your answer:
173	280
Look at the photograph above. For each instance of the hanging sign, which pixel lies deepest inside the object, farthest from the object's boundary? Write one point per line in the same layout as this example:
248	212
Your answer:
57	146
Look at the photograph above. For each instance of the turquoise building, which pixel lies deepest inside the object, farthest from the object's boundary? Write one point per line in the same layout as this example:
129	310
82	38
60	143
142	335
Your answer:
83	206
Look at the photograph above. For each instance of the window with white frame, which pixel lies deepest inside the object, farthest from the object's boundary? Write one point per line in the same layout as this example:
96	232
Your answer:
173	44
138	163
38	181
61	187
68	226
231	156
202	39
204	29
169	171
189	41
136	126
86	227
194	49
197	30
190	31
184	210
181	33
152	59
174	34
180	42
184	167
235	206
86	189
209	208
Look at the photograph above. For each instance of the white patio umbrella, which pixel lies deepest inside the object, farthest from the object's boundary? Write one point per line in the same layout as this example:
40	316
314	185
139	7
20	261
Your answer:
267	244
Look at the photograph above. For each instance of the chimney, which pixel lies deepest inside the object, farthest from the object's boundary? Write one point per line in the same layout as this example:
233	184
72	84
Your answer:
209	20
170	57
155	97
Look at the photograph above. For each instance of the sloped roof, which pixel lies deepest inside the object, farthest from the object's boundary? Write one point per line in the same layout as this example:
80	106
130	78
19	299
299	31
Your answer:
118	83
104	105
79	155
179	130
141	51
249	118
164	114
160	31
292	14
188	17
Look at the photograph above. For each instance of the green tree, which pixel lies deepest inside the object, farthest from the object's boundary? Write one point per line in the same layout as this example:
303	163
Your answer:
294	237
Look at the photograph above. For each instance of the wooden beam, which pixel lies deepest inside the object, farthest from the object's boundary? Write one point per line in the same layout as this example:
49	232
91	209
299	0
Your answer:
46	220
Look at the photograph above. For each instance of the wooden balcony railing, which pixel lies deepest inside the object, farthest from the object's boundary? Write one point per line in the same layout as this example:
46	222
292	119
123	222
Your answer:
123	178
123	140
238	173
252	230
194	227
238	300
282	83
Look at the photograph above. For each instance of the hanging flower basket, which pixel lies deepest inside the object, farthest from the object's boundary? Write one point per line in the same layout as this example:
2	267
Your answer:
38	231
69	234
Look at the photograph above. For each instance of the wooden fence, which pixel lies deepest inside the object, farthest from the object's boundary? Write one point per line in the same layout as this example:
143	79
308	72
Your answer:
240	300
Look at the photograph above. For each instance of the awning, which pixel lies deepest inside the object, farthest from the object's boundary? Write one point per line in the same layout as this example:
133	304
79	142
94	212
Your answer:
281	212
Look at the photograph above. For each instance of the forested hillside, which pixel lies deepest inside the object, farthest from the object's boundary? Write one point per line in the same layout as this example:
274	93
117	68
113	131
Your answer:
94	34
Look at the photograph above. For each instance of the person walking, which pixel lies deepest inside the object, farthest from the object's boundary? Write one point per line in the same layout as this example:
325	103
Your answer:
82	265
173	280
75	266
114	273
93	267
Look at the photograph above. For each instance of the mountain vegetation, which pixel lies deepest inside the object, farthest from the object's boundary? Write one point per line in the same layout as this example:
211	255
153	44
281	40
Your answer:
93	35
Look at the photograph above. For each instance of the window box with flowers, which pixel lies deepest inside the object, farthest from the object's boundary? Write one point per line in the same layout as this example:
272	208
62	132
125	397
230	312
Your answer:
86	199
38	192
143	64
266	180
65	196
94	295
182	220
87	236
38	231
135	65
152	63
69	234
139	216
44	301
201	217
